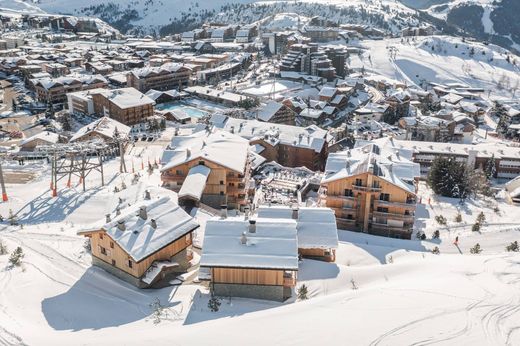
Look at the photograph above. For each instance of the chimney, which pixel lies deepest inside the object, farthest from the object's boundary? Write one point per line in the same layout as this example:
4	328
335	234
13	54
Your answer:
121	225
153	223
142	213
246	213
188	152
108	219
147	195
223	211
118	211
295	212
252	226
243	239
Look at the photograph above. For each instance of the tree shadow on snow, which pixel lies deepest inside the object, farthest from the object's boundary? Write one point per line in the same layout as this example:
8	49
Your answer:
229	307
46	208
99	300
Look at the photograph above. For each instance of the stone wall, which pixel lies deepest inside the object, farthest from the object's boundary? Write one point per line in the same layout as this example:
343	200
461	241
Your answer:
249	291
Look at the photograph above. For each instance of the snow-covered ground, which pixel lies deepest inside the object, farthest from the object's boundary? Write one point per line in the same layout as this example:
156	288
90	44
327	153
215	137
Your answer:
449	61
379	291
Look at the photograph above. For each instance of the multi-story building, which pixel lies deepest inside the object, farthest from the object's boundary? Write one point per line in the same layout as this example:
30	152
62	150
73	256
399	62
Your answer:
208	166
144	243
476	156
168	76
307	58
252	258
55	90
290	146
372	188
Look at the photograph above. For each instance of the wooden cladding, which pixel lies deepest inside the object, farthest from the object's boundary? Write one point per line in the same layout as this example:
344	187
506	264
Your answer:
247	276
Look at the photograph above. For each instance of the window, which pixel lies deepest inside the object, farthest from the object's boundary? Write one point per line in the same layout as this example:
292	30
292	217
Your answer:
178	172
382	210
222	193
349	193
384	197
359	182
231	184
103	250
222	182
101	236
113	262
111	244
349	217
130	263
375	184
201	163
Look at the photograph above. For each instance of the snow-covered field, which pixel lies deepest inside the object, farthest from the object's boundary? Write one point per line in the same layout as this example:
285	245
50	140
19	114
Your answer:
449	61
380	291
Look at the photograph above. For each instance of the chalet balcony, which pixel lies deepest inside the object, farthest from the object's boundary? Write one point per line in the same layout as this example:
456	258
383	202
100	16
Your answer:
386	226
366	188
393	216
172	177
410	204
339	197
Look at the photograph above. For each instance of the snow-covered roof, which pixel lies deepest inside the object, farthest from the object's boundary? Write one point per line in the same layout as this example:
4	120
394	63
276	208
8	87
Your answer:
311	137
140	238
166	68
105	126
46	136
195	182
272	246
316	226
269	110
385	161
220	147
127	97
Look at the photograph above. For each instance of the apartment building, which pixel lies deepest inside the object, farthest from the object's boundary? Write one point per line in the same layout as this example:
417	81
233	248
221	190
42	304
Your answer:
208	166
167	77
372	189
290	146
55	90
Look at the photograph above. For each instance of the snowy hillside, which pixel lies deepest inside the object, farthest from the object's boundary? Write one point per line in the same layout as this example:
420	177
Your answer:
179	15
493	20
442	59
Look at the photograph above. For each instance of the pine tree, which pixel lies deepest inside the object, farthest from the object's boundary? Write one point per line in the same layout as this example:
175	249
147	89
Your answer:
481	217
214	304
449	178
475	227
3	248
476	249
513	247
458	218
16	257
302	292
490	168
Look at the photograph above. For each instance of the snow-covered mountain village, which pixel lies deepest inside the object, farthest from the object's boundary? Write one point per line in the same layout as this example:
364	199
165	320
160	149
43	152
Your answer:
274	172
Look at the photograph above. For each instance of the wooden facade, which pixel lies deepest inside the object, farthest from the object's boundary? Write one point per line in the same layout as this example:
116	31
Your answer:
106	249
253	276
368	203
293	156
223	186
128	116
163	80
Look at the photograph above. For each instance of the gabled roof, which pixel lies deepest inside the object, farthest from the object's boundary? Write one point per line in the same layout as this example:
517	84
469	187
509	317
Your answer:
316	226
269	110
105	126
220	147
272	246
140	239
385	161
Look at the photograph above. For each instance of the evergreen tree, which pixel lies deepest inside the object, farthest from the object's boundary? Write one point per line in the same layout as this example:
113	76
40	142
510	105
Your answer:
490	168
513	247
481	217
16	257
476	249
302	292
449	178
3	248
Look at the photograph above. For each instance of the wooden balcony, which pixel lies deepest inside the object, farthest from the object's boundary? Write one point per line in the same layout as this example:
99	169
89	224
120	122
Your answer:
393	216
365	188
409	205
339	197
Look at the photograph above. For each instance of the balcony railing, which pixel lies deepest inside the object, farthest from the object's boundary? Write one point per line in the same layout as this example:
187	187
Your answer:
366	188
410	204
393	215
